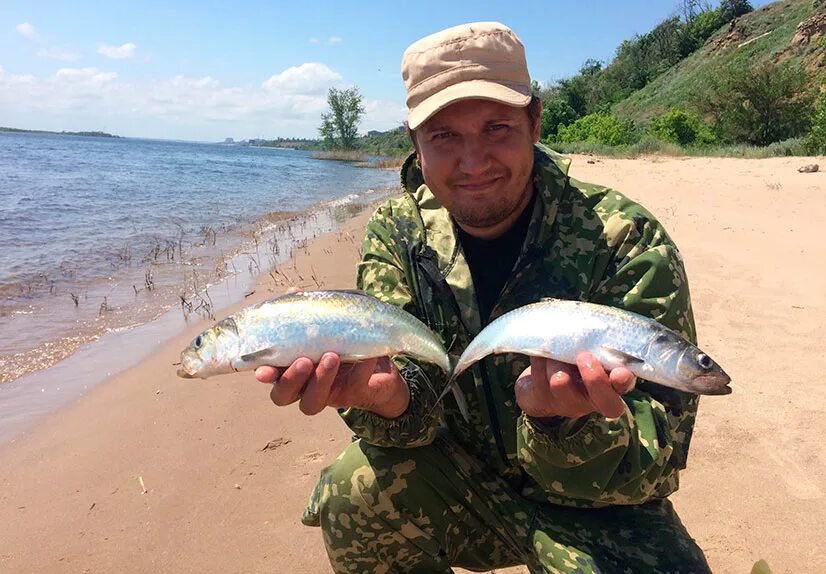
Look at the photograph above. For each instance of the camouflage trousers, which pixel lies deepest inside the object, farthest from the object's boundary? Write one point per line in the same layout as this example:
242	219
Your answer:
388	510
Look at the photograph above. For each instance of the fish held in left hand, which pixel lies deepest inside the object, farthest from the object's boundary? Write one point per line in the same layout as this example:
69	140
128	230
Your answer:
308	324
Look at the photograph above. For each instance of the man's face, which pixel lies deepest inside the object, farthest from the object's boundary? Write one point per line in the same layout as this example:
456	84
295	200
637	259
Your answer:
477	157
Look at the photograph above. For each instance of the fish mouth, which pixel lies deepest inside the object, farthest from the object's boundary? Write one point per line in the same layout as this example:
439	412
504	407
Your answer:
184	374
712	385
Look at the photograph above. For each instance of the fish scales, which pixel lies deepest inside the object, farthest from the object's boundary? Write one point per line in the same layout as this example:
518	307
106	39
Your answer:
351	325
307	324
561	330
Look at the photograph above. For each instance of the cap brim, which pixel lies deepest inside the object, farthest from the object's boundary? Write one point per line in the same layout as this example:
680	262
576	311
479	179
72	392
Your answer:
517	96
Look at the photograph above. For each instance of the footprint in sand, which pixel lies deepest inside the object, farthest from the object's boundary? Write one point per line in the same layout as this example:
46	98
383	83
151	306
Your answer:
312	456
276	443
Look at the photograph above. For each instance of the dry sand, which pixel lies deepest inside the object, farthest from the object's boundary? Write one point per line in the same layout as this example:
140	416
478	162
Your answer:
226	474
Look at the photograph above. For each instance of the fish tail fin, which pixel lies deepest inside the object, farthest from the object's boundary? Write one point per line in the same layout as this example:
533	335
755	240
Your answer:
453	362
461	402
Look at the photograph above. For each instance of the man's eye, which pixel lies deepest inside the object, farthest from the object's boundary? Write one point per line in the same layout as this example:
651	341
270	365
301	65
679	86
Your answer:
442	135
497	127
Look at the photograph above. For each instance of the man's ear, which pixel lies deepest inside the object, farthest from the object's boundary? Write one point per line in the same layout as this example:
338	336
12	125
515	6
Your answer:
412	135
537	127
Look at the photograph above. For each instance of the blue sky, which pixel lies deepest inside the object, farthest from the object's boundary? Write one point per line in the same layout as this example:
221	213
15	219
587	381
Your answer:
208	70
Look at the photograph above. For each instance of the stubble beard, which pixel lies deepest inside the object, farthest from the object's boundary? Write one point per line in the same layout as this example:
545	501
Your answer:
481	215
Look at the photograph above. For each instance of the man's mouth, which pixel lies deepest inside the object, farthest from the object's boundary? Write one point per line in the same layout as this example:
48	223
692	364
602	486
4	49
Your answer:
481	185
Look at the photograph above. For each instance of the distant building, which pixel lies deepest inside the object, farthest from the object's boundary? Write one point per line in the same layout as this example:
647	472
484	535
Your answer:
229	141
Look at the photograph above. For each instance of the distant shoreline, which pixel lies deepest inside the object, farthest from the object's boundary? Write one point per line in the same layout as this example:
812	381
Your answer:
63	133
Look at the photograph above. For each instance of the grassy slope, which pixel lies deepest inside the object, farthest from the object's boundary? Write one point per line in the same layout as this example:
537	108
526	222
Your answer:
677	86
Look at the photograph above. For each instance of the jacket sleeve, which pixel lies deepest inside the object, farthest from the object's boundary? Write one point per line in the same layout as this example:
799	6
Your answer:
595	460
382	273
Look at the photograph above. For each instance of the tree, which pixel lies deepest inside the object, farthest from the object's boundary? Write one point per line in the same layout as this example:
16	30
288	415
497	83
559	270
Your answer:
580	91
555	113
816	140
759	105
339	126
731	9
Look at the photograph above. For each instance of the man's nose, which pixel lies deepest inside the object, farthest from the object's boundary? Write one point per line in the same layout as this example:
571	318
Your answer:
475	158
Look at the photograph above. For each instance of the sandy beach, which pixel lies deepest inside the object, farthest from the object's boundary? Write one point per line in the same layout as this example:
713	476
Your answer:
151	473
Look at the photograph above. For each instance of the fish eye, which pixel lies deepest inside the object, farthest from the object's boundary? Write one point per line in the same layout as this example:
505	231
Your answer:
198	341
705	361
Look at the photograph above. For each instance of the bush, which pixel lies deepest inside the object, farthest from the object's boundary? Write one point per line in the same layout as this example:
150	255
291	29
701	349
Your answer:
599	128
648	145
786	148
759	105
816	140
680	127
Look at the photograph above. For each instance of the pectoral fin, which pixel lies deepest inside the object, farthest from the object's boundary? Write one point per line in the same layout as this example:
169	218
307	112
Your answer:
613	358
263	357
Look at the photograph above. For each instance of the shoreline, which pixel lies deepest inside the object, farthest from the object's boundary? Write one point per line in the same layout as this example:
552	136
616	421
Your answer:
57	329
90	134
156	473
34	394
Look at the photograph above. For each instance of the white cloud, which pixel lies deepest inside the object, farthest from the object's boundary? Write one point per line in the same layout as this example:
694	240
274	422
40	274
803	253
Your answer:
117	52
381	115
287	104
58	54
308	78
12	81
313	40
84	76
335	40
27	30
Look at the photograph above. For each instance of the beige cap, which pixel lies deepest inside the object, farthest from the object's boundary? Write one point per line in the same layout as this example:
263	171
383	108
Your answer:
481	60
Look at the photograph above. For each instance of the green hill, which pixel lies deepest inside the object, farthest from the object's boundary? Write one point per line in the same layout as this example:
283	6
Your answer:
789	31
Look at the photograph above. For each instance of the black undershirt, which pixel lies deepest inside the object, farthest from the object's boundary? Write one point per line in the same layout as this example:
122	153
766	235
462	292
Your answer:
491	260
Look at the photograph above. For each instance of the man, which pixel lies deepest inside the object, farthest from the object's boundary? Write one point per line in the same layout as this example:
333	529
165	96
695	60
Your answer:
563	468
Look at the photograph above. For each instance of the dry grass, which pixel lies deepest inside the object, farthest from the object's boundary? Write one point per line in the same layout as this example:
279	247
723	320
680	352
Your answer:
386	163
341	155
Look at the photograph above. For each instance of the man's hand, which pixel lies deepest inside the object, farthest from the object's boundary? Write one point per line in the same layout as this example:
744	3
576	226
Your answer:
549	388
374	385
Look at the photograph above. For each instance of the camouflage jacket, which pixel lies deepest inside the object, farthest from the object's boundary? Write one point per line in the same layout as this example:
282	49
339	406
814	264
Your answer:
584	242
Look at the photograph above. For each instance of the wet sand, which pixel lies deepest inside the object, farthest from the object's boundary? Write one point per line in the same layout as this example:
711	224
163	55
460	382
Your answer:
151	473
41	329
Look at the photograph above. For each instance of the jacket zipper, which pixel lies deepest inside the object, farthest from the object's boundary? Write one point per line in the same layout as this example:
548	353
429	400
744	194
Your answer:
427	263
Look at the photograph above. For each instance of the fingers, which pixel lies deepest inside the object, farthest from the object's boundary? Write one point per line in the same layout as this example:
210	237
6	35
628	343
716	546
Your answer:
622	380
351	386
600	391
330	383
267	374
552	388
317	392
532	392
287	388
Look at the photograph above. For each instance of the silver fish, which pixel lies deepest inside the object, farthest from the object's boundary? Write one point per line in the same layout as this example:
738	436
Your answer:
308	324
559	329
